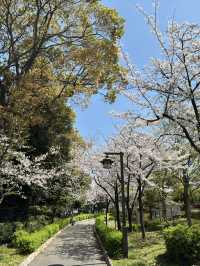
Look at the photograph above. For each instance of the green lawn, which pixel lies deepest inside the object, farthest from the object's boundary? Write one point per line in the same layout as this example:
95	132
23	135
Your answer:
150	252
10	257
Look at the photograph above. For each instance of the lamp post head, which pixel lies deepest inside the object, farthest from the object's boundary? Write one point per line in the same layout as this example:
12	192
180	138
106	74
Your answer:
107	163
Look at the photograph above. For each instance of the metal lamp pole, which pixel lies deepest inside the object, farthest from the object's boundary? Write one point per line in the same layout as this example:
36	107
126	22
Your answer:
124	229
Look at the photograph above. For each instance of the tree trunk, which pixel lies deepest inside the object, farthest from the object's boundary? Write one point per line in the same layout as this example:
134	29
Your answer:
187	204
129	210
163	199
141	208
130	227
123	203
164	209
119	226
150	213
3	94
117	207
107	208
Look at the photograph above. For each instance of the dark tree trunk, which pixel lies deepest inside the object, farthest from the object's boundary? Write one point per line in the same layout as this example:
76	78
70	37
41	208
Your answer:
129	210
187	204
164	208
115	223
130	220
150	213
107	209
117	207
3	94
119	226
141	208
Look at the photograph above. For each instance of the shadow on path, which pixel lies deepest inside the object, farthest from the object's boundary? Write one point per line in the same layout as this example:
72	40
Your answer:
75	246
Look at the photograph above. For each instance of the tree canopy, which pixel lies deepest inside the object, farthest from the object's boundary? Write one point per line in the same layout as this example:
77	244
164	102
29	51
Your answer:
77	40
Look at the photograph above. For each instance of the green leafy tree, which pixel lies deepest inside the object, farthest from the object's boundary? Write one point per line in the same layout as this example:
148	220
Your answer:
76	39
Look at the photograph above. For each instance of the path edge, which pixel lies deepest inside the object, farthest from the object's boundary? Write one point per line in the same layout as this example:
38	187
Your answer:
32	256
105	254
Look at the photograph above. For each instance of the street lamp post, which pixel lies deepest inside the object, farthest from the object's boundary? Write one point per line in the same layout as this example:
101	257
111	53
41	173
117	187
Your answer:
107	163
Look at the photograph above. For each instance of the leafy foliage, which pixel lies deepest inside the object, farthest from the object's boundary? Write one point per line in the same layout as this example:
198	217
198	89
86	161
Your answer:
61	51
6	232
82	55
182	243
154	225
112	239
27	243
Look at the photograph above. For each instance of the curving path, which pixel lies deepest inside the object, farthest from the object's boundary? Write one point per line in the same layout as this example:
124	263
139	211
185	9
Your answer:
75	246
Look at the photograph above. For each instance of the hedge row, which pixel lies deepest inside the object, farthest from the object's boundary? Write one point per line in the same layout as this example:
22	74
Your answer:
111	239
28	242
183	244
7	229
85	216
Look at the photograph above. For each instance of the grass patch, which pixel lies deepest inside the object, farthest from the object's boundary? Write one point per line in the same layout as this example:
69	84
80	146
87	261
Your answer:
10	256
145	253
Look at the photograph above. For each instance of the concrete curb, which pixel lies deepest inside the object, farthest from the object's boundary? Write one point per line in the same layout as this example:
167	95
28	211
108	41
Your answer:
107	258
32	256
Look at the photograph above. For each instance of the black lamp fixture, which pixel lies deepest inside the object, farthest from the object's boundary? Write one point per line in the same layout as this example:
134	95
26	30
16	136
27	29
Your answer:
107	162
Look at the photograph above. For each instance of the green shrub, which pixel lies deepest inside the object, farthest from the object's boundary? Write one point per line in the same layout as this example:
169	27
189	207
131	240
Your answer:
63	222
154	225
139	263
111	239
28	242
183	243
36	210
178	221
43	219
135	227
6	232
32	226
111	217
23	241
36	223
83	216
18	226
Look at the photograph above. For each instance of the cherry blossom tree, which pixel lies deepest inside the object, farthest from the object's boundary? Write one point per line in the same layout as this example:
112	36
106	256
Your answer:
166	92
105	184
17	169
141	157
145	156
188	177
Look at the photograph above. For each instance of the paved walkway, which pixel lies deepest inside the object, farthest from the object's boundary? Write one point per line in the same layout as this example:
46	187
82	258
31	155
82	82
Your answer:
75	246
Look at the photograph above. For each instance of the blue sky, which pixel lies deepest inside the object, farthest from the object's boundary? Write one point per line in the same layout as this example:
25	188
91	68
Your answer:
138	42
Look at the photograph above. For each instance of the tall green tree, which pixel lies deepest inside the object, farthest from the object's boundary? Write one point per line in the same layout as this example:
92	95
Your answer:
76	39
46	123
